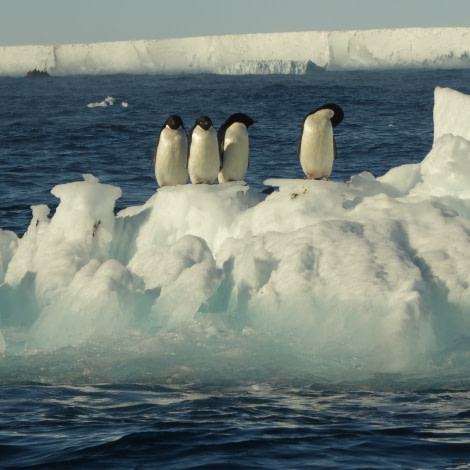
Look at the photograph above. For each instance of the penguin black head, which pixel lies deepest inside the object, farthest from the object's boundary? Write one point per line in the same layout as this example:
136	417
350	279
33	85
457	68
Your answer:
204	122
174	122
239	117
338	116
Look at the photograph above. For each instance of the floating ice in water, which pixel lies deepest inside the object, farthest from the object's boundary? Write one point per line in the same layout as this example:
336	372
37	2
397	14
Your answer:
109	101
375	268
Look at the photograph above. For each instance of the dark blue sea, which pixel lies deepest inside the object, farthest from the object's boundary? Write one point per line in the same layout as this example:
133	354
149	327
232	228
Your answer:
122	417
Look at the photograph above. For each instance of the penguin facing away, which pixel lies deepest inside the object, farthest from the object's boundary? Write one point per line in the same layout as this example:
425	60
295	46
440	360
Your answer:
169	158
234	147
317	147
203	161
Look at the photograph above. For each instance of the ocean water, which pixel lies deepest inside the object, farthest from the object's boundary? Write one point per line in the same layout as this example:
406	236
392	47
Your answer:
50	135
138	413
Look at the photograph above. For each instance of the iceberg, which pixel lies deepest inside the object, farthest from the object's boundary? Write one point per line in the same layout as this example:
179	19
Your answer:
298	53
375	270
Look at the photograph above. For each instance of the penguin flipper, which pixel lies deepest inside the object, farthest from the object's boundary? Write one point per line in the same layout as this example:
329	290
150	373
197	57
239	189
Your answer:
300	141
221	144
190	138
154	159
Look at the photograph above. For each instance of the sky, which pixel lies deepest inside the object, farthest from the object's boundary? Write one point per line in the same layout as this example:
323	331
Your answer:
84	21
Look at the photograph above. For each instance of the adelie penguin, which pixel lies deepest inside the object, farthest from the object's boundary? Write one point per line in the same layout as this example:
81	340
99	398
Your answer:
203	152
169	158
234	147
317	146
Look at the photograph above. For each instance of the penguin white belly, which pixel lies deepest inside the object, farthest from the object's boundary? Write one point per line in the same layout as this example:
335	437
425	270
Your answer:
317	146
235	161
170	163
204	159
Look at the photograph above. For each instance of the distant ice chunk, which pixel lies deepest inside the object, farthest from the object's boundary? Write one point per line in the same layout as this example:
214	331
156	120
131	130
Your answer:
109	101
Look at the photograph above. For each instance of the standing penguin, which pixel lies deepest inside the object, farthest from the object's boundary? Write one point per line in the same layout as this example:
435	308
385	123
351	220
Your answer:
203	161
317	146
169	158
234	147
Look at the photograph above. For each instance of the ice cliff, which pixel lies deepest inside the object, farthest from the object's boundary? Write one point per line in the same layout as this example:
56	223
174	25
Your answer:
299	53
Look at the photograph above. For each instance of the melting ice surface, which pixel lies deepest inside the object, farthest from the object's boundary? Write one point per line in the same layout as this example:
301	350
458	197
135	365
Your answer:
219	281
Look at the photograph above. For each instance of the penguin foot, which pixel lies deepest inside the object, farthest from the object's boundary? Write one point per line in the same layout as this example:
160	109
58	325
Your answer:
310	177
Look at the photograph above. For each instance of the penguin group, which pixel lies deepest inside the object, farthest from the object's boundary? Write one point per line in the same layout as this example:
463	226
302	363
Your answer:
206	155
